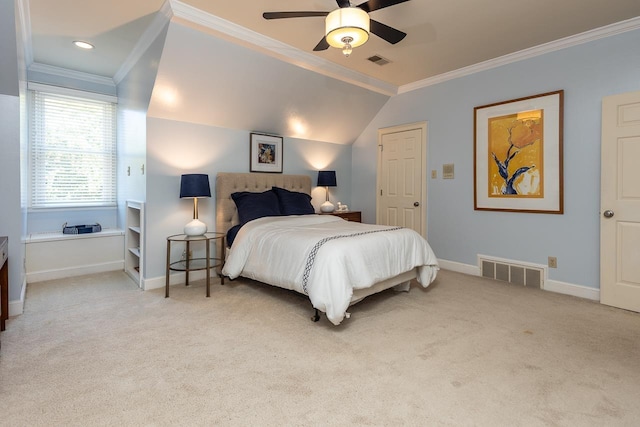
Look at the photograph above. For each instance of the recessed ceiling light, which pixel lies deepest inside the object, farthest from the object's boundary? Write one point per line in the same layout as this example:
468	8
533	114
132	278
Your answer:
83	45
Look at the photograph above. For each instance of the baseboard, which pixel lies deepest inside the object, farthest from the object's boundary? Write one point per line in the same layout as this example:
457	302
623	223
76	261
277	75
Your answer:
458	267
16	308
174	279
571	289
549	285
40	276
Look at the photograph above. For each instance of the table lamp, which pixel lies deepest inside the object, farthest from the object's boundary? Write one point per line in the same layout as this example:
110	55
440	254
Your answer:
327	179
195	185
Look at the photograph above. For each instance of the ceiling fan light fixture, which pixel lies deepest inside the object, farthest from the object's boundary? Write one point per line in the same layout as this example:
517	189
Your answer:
344	24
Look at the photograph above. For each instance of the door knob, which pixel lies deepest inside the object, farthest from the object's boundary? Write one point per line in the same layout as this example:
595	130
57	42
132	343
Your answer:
416	204
608	213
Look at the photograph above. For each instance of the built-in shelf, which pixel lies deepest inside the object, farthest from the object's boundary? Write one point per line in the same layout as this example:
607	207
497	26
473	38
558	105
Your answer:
134	241
135	251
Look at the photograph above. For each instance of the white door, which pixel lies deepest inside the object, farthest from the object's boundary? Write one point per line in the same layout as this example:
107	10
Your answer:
620	202
402	177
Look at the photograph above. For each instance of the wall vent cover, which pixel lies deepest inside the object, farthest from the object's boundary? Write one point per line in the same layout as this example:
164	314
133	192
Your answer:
377	59
516	272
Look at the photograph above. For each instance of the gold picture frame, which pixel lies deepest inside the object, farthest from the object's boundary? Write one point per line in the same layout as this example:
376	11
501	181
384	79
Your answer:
265	153
517	154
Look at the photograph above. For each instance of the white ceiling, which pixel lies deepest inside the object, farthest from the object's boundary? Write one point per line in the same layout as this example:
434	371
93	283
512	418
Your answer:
443	35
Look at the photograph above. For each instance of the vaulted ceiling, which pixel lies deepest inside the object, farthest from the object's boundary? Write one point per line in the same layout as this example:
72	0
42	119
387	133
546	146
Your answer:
442	35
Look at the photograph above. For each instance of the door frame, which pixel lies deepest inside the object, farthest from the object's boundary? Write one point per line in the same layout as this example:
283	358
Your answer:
423	167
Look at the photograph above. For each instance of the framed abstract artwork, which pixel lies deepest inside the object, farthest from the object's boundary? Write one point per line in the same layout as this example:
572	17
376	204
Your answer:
266	153
518	155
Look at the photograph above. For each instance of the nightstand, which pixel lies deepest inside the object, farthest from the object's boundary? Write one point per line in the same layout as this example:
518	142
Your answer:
355	216
194	264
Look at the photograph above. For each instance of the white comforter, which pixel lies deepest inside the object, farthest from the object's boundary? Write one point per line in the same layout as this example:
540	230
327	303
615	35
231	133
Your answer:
348	256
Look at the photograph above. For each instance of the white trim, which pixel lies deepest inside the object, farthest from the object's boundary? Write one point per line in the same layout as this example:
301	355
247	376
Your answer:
52	70
25	23
575	40
16	308
147	38
40	276
57	235
549	285
281	50
458	267
71	92
571	289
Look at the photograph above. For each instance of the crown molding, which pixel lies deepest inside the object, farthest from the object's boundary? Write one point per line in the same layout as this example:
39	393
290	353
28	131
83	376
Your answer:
575	40
280	50
37	67
151	33
61	90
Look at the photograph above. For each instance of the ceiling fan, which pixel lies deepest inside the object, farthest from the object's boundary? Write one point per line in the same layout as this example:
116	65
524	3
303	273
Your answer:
349	26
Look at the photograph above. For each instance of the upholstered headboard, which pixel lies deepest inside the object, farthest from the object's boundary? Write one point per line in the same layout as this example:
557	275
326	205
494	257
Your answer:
228	183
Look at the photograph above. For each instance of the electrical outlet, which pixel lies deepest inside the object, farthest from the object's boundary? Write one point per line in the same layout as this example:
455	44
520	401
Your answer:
553	262
434	174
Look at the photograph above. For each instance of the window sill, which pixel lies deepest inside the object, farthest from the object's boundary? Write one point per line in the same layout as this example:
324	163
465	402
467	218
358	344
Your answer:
58	235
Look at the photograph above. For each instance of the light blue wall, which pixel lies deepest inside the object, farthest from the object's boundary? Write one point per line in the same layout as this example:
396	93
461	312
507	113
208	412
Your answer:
174	148
8	50
134	93
457	233
11	213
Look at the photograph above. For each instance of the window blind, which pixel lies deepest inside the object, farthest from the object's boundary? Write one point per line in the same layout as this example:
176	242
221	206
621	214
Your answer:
72	151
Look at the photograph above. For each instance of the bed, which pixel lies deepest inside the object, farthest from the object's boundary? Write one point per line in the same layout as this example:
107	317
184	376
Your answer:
334	262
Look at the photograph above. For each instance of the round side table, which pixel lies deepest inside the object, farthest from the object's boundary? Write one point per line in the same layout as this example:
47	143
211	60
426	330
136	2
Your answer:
194	264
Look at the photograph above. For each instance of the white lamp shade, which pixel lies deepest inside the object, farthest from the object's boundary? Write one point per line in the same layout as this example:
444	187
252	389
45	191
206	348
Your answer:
347	22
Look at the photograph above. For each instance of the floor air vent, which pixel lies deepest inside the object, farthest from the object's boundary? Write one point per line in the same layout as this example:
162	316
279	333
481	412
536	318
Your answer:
514	272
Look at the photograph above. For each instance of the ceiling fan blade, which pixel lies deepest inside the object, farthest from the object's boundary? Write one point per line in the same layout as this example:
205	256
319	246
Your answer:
372	5
386	32
343	3
281	15
323	45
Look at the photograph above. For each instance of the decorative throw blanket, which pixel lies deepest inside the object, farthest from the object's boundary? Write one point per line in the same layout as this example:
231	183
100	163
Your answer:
312	256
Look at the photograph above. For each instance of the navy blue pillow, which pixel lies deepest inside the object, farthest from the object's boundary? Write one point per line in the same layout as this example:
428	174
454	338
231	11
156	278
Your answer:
293	202
255	205
231	234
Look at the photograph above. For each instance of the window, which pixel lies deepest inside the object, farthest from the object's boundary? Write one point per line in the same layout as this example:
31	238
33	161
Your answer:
72	150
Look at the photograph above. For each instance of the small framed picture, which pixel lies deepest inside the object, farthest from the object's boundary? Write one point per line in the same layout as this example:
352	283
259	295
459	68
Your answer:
266	153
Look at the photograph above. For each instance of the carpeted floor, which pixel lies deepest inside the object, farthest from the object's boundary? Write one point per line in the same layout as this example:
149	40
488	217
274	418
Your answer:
96	350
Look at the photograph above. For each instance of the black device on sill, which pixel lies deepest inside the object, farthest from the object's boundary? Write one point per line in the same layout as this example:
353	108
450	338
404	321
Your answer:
81	229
